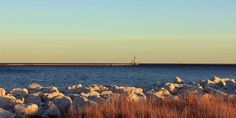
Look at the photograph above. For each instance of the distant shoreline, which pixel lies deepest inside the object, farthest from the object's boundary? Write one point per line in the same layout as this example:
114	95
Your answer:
109	64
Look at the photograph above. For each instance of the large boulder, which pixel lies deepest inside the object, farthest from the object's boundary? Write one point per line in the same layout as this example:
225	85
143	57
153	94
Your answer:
172	87
90	93
130	92
49	110
34	98
106	94
162	93
34	88
6	114
189	89
2	91
49	96
75	89
80	102
62	102
215	92
98	88
26	110
8	102
19	92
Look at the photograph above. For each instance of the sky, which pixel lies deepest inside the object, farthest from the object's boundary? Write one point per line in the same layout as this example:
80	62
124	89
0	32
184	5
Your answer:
155	31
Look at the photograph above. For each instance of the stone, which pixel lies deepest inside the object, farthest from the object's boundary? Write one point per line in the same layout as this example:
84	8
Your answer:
178	80
6	114
34	88
97	99
123	90
34	98
189	89
26	110
106	94
215	92
8	102
62	102
49	96
90	93
19	92
172	87
80	102
2	92
162	93
50	110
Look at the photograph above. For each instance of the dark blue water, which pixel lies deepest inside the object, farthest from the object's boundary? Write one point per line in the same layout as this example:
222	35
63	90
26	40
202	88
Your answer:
139	76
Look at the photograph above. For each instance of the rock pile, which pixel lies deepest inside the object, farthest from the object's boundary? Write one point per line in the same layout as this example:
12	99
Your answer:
47	102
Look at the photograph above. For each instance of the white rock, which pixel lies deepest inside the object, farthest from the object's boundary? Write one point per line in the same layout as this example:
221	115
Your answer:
2	92
34	88
90	93
172	87
6	114
178	80
62	102
9	101
162	93
19	92
25	110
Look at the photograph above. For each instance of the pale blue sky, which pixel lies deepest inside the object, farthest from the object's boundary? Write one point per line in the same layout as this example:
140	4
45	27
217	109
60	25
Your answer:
199	31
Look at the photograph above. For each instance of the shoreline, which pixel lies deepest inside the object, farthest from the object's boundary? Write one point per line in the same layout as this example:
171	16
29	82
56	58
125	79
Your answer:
41	101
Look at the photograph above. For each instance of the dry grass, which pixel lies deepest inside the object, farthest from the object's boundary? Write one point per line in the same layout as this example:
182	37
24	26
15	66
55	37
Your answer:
186	107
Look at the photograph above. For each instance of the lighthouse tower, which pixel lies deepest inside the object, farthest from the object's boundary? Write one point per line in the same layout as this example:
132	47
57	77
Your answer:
135	61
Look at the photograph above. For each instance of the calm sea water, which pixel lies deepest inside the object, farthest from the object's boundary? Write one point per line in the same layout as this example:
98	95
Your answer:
139	76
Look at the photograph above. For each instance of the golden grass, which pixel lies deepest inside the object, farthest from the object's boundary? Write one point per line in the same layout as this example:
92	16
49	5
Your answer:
186	107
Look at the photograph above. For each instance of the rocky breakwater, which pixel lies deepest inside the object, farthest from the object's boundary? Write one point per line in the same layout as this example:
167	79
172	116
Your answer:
47	102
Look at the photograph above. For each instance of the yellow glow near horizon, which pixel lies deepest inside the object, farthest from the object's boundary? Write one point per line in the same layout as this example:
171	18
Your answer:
157	49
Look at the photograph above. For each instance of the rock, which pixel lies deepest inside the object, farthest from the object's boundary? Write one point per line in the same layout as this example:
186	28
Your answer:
189	89
19	92
80	102
75	89
97	99
26	110
215	92
106	94
8	102
50	110
6	114
49	96
2	92
178	80
62	102
97	88
172	87
231	87
136	97
124	90
34	98
130	92
162	93
90	93
34	88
